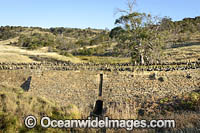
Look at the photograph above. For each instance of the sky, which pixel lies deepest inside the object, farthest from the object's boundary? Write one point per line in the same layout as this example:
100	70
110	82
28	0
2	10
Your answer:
97	14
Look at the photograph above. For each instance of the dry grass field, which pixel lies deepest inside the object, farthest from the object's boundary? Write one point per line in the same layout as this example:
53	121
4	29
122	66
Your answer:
14	54
8	53
183	52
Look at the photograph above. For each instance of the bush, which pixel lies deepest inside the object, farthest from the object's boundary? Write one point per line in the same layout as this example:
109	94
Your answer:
7	33
100	39
82	43
36	40
161	79
85	51
164	100
66	54
152	76
191	101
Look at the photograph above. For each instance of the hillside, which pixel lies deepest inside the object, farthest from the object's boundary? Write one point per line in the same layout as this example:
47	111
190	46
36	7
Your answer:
16	54
182	42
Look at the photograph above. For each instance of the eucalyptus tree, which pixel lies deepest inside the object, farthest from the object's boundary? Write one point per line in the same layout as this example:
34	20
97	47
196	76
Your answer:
139	32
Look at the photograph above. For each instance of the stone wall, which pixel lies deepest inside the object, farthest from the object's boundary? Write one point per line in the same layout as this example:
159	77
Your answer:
67	66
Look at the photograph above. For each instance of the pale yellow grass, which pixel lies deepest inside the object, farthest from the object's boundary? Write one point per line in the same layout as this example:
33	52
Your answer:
186	53
15	58
9	41
15	54
93	46
112	60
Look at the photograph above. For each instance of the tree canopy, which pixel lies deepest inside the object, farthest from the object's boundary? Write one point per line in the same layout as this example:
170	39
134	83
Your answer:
138	32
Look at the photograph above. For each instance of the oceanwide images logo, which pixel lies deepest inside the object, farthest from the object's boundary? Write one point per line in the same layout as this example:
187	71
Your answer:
47	122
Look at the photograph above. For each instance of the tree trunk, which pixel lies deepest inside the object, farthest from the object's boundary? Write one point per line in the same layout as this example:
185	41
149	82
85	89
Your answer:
141	59
135	63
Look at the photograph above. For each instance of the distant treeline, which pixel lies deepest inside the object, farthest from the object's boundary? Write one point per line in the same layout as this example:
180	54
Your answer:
185	25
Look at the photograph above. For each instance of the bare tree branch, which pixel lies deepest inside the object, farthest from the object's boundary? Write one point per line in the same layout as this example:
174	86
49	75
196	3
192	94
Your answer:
118	10
130	5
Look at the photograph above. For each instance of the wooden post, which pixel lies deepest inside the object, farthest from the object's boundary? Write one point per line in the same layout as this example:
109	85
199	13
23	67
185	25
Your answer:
101	85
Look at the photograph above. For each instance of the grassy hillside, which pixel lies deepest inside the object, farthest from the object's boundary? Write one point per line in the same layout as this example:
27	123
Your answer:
182	42
15	105
14	54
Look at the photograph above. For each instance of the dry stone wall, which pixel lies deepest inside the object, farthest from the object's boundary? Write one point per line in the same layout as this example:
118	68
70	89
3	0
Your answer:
68	66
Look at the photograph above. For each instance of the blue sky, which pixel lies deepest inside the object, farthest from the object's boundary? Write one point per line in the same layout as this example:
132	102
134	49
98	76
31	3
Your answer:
86	13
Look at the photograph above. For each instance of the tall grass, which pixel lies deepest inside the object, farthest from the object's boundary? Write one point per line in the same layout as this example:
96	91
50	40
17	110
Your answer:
15	105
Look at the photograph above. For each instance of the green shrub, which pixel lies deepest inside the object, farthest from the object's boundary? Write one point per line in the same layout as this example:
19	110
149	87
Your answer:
7	33
191	101
164	100
85	51
66	54
36	40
